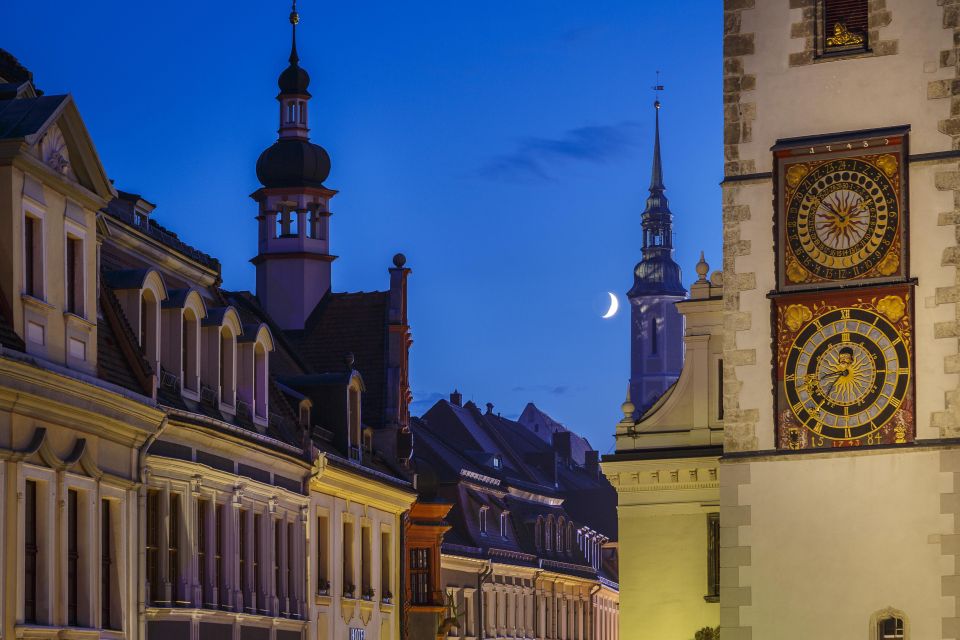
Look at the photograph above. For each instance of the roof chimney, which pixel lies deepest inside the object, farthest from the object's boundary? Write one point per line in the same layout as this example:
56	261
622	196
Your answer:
563	445
591	462
490	408
456	398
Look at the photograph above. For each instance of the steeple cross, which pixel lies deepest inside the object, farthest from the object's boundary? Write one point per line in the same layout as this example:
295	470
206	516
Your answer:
657	88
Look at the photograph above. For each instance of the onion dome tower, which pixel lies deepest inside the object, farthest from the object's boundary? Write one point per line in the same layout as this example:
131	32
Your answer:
656	353
293	260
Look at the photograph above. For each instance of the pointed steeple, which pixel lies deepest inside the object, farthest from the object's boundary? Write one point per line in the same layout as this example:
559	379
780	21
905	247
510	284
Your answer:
656	175
657	273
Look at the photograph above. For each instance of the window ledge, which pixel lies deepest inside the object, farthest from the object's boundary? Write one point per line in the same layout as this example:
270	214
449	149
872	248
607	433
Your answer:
74	319
711	598
189	394
43	305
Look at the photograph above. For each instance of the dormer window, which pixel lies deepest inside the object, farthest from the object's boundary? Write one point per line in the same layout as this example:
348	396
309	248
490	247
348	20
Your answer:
560	535
228	389
252	352
548	534
305	414
483	520
353	397
189	356
504	517
497	461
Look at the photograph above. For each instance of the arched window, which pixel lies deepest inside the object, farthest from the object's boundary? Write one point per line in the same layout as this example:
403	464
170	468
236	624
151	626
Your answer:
548	534
538	532
228	355
260	382
503	523
189	356
889	624
570	534
559	533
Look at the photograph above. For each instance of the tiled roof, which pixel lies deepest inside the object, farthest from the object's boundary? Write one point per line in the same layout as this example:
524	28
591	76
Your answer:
119	363
353	323
25	116
8	337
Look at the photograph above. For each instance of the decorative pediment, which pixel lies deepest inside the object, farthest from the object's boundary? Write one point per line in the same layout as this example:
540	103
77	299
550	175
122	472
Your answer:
39	451
54	152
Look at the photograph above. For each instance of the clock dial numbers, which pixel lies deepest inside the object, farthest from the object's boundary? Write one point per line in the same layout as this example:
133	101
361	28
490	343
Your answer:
842	220
847	374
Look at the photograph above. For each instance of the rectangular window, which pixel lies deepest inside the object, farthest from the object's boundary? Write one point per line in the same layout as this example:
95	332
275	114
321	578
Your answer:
74	276
713	556
291	586
348	585
153	545
30	553
386	552
218	553
653	336
844	26
323	578
73	559
720	389
106	565
173	546
483	521
420	586
277	555
503	524
242	541
257	539
32	257
365	568
201	540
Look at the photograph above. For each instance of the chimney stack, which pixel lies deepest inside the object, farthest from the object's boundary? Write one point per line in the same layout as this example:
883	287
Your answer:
490	408
592	462
563	445
456	398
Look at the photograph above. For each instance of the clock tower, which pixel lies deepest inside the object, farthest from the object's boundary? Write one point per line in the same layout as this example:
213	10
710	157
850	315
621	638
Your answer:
656	328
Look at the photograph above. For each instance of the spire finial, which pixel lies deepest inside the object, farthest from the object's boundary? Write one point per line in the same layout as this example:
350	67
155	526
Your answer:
657	88
656	177
628	407
294	21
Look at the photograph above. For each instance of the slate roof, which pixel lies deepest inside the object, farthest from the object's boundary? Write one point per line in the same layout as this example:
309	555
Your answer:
353	323
23	117
117	364
450	439
8	337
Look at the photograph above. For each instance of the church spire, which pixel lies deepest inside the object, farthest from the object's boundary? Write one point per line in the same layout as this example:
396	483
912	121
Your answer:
657	273
656	175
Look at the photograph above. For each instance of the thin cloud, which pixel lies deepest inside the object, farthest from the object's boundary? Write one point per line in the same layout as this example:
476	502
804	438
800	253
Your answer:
533	157
558	390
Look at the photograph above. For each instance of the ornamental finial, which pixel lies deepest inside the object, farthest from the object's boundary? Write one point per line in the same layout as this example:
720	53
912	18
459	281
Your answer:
294	16
657	88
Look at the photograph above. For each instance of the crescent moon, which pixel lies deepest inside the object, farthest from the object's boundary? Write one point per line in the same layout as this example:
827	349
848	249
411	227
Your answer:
614	306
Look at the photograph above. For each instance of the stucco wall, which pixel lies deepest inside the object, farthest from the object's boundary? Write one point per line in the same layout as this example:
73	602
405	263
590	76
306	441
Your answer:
830	544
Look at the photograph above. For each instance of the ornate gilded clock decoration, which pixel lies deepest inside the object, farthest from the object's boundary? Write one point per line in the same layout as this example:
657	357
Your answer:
841	214
844	374
842	36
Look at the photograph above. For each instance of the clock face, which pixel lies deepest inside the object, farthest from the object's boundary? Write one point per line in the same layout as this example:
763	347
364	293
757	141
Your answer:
841	211
843	219
847	373
844	371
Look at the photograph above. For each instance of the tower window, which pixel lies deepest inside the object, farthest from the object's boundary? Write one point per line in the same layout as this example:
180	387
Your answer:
302	112
844	26
890	629
420	582
713	557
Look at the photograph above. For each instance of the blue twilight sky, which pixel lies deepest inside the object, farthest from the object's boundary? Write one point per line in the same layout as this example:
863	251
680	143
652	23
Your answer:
503	146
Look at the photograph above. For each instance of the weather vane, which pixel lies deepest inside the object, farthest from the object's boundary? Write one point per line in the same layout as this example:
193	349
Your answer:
657	88
294	16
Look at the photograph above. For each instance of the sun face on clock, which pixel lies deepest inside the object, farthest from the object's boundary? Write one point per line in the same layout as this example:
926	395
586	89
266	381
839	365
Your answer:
842	219
846	374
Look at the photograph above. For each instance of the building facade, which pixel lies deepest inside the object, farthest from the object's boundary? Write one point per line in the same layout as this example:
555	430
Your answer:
531	549
837	322
656	329
181	460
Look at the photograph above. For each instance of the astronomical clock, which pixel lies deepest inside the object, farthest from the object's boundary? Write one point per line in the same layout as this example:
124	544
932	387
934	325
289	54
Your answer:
841	211
843	312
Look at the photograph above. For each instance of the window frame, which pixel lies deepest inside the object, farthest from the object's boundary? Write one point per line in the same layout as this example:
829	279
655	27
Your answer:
38	288
713	557
823	31
74	275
